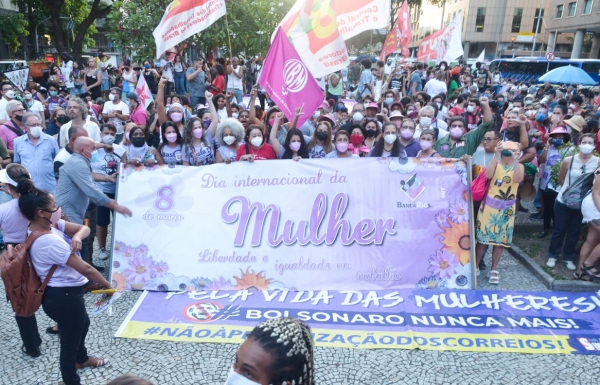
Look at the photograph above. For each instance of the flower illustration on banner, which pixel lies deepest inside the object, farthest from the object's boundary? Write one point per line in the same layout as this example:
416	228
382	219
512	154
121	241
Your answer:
457	240
171	283
459	212
165	201
402	165
201	283
119	282
447	163
431	282
252	281
443	264
220	284
139	269
441	219
160	269
124	250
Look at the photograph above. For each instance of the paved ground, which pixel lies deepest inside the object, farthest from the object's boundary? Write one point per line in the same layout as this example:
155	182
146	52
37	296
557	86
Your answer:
193	363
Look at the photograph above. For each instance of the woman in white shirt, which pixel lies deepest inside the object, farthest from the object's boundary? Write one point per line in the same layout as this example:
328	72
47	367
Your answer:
63	298
436	85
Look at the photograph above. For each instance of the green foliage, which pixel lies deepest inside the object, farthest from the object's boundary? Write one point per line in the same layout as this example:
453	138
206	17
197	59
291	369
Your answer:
12	28
251	24
78	10
566	150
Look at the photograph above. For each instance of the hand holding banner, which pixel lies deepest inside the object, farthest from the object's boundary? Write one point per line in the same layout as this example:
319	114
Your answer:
443	45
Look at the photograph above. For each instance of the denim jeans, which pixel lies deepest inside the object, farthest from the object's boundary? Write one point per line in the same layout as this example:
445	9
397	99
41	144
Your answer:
195	100
179	83
65	305
567	222
239	94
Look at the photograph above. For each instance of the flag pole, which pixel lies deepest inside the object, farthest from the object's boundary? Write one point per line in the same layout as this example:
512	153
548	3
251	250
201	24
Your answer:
228	37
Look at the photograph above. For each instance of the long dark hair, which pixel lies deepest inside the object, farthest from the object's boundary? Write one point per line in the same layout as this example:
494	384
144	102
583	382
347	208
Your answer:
163	129
302	151
397	148
31	198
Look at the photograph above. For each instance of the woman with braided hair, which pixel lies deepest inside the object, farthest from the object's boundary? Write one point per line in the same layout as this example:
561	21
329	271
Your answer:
278	351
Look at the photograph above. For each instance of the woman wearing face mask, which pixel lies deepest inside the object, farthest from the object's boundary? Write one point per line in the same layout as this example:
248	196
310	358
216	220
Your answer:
14	230
255	146
341	141
554	152
151	77
496	216
357	142
406	128
295	142
567	222
175	113
198	144
105	169
170	148
371	133
34	106
57	119
138	152
320	143
388	145
426	142
590	250
56	254
230	136
278	351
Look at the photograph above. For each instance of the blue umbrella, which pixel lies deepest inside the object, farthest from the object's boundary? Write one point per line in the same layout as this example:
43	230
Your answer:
568	75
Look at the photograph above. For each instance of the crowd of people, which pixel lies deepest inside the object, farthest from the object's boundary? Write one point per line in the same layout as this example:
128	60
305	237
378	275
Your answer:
61	146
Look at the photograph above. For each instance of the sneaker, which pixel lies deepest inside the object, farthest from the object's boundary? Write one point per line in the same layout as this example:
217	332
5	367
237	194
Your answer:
551	262
571	266
523	209
103	254
537	216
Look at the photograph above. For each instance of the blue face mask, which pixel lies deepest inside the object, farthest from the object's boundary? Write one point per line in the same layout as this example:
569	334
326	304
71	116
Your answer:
389	100
540	117
500	104
557	142
94	157
598	114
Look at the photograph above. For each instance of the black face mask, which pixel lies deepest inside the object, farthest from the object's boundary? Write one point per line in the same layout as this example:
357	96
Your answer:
63	119
19	118
321	135
371	133
138	141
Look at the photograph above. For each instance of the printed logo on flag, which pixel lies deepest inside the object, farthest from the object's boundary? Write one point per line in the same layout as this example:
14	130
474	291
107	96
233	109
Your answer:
295	76
209	311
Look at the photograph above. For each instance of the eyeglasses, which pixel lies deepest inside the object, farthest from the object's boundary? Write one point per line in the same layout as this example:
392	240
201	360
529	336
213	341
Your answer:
21	110
56	207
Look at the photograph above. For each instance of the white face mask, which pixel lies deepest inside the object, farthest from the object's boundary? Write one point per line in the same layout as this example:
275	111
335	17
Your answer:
390	138
425	121
235	115
316	115
35	131
586	148
358	117
256	141
229	139
471	109
234	378
10	94
108	139
111	97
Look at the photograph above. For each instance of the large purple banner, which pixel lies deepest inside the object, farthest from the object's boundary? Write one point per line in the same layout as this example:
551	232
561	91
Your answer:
360	223
466	320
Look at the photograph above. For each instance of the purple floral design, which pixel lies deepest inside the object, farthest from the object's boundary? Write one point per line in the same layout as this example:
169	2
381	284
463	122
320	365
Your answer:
441	219
443	264
459	212
220	284
201	283
139	269
431	282
160	269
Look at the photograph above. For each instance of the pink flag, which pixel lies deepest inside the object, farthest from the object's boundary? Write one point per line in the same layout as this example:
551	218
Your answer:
143	92
288	81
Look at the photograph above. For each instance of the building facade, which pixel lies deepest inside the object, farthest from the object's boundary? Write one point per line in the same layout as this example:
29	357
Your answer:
504	28
578	17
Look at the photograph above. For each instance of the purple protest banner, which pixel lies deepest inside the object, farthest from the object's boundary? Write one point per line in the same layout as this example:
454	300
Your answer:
288	81
358	223
465	320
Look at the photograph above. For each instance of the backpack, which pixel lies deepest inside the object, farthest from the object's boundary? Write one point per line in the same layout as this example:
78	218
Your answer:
579	189
21	283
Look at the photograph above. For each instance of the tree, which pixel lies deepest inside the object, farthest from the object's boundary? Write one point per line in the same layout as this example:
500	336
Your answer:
251	23
12	28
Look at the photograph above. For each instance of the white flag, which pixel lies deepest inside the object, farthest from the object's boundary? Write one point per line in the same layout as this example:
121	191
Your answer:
481	57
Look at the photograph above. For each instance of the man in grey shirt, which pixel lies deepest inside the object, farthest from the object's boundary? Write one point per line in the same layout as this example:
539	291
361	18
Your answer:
197	76
76	187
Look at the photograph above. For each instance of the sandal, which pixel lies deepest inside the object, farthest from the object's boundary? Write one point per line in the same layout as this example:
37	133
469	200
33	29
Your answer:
52	330
591	271
93	362
494	277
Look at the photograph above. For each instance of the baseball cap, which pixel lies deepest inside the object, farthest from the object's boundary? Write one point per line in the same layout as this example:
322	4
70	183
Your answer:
133	96
551	91
396	114
373	105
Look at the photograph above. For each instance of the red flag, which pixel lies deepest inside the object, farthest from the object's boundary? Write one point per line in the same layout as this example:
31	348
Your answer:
391	43
404	28
143	92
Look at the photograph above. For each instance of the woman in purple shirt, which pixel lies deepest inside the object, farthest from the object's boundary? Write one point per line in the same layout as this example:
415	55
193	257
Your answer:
63	298
14	229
